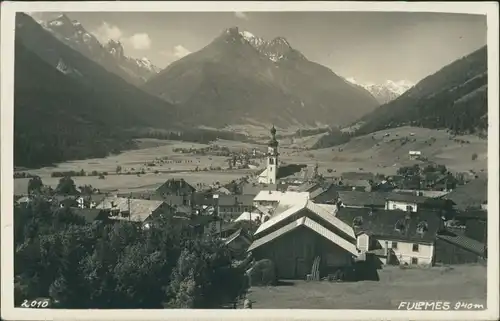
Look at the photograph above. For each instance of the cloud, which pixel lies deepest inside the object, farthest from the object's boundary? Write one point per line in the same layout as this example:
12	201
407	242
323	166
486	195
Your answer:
241	15
139	41
177	52
180	51
107	32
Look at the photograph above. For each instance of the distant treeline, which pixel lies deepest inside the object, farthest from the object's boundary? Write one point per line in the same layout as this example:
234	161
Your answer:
333	138
311	132
195	135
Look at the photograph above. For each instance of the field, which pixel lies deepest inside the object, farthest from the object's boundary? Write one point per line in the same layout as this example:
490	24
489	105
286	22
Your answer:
178	165
459	283
379	153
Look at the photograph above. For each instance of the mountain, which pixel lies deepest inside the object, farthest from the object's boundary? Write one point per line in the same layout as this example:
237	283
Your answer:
242	79
111	55
387	91
69	107
453	98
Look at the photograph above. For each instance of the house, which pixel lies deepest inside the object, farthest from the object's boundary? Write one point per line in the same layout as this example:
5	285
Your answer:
414	154
452	248
89	201
273	198
179	188
361	199
396	237
134	210
307	187
302	234
325	195
357	185
231	206
471	195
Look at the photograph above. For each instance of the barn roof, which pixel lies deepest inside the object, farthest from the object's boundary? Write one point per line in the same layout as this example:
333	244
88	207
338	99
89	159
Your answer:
320	211
312	225
464	242
383	223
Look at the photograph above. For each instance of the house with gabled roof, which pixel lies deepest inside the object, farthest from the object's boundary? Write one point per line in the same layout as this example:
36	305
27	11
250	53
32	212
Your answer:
394	236
302	234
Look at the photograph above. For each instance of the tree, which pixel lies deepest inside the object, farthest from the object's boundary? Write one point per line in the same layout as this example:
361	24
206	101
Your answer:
118	169
66	186
474	156
35	184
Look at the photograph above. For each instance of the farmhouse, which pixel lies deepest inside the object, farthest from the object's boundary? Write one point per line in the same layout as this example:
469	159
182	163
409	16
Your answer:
134	210
231	206
357	184
179	188
296	237
401	237
414	154
90	201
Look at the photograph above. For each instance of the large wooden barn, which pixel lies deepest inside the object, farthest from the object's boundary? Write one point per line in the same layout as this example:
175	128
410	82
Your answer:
301	235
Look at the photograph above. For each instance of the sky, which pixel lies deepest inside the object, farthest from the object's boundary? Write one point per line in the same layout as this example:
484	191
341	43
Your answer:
371	47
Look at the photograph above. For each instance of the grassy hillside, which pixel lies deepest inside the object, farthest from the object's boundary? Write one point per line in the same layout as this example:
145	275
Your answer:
454	98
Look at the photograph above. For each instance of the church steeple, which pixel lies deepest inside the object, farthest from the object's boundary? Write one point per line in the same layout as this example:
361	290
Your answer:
273	142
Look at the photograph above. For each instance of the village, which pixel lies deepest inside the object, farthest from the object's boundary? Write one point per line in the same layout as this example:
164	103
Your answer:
289	222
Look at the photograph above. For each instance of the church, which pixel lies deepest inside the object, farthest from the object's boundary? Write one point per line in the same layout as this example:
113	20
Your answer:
270	174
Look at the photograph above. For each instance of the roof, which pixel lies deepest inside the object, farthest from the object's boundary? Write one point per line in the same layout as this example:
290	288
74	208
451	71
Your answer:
320	211
235	235
463	242
248	216
140	210
329	194
312	225
176	187
356	182
382	223
472	214
232	200
358	198
307	187
89	214
279	196
415	152
409	198
357	175
470	195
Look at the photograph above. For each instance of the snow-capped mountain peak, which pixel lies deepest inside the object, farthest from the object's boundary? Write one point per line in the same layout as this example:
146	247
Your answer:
385	91
275	50
110	55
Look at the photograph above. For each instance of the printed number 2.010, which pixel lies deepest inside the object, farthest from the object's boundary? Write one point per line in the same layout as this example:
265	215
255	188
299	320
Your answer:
35	304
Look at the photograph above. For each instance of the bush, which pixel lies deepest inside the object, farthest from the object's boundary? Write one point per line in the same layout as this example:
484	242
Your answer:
262	273
474	156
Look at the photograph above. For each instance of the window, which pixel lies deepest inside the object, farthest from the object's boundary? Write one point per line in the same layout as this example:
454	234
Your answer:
409	208
394	206
394	245
415	247
414	260
271	161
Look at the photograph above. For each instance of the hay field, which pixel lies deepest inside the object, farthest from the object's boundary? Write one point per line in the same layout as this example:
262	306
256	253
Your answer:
385	154
460	283
178	165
